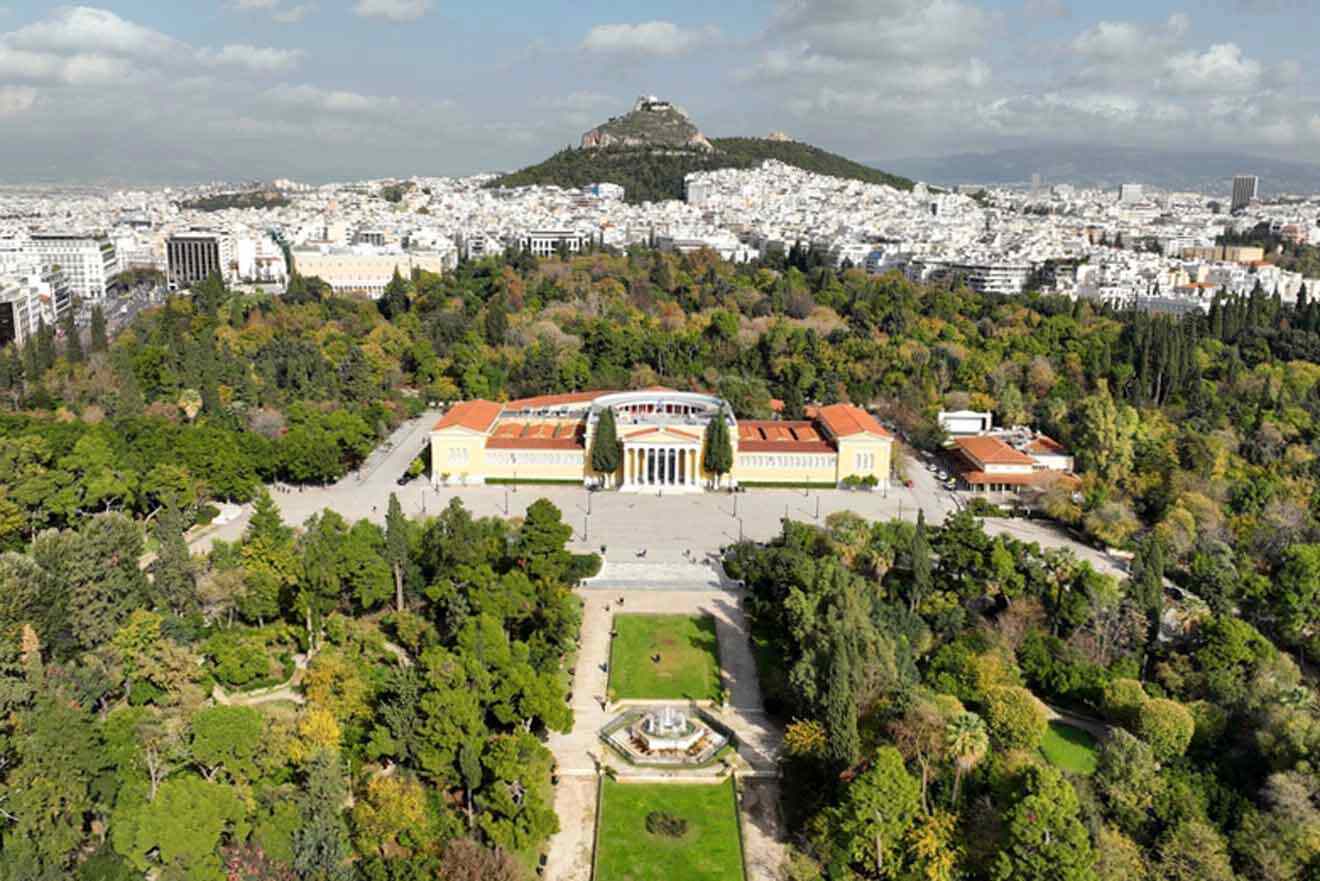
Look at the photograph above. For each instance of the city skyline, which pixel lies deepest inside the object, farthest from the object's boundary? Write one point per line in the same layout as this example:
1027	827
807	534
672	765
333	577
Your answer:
139	92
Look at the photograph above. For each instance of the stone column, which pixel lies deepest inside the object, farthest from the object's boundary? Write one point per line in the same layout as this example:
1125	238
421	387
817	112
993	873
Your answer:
627	467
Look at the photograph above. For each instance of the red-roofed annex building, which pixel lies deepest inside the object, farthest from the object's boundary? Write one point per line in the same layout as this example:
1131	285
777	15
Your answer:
661	431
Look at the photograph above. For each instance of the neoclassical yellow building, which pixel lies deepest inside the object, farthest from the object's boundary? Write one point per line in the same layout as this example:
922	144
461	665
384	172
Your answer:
661	431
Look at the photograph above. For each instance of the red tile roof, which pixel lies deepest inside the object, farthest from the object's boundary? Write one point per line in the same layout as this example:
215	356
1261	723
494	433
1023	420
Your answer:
475	415
845	420
1046	446
555	400
992	451
768	436
537	436
1039	479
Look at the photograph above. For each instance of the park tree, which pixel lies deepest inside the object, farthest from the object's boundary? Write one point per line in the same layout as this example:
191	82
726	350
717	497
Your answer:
539	545
178	833
226	742
50	756
1118	857
606	453
100	566
1167	726
1046	840
1105	430
73	348
868	827
320	846
100	340
394	301
396	546
1128	780
717	458
391	816
1193	851
922	582
173	573
967	743
1295	594
1016	718
466	860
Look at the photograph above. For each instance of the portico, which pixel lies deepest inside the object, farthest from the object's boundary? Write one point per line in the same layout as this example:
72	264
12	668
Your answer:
661	459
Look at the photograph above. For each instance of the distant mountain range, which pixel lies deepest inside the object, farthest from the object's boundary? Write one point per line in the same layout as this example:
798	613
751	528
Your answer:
651	150
1210	173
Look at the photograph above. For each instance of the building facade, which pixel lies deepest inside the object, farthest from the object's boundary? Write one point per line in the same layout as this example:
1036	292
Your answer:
366	270
661	436
89	263
1246	188
193	257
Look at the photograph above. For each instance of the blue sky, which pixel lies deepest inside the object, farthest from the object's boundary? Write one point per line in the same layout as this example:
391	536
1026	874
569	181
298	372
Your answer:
332	89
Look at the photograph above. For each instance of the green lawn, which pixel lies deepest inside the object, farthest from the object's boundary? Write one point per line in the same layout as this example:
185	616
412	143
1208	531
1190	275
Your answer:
688	666
1069	749
710	851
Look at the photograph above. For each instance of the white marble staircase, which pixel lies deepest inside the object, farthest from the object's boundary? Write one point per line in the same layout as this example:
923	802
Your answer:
639	574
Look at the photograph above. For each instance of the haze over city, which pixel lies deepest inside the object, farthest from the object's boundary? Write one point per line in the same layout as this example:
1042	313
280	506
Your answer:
149	92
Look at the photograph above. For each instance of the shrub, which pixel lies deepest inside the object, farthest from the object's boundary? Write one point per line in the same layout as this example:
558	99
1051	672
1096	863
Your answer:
1167	726
238	658
1123	698
582	567
1017	720
666	824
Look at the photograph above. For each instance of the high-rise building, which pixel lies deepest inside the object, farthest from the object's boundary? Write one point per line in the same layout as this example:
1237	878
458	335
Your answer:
195	255
89	262
1245	190
1130	193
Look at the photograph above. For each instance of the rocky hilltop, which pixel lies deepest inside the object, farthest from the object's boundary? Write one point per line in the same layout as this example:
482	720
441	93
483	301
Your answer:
650	151
652	123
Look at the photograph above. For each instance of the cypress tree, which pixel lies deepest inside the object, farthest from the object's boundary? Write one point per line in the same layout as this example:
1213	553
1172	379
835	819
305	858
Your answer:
100	337
396	546
841	706
605	451
73	350
922	578
718	457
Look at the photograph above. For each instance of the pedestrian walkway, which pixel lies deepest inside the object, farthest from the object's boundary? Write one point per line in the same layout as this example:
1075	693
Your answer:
580	755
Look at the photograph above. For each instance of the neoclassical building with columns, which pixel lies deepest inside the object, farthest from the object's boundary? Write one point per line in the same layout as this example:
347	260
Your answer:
661	433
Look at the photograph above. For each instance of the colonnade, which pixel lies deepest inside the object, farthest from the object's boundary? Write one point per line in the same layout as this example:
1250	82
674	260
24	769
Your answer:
660	466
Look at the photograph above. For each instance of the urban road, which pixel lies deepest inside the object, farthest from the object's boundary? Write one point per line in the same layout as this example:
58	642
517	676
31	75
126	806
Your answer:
666	527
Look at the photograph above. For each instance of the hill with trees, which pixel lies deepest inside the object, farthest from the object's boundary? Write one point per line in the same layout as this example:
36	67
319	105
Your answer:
651	174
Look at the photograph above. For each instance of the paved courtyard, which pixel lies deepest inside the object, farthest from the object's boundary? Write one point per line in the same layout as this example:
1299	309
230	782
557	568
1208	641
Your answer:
672	528
580	752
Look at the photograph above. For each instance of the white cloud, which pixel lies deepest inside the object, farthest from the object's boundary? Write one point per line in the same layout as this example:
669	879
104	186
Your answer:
87	29
1220	68
16	99
1122	41
294	14
77	69
393	10
254	58
328	100
656	38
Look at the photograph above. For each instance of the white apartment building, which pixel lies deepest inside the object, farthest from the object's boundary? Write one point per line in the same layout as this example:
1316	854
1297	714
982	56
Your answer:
547	242
993	278
29	298
89	262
